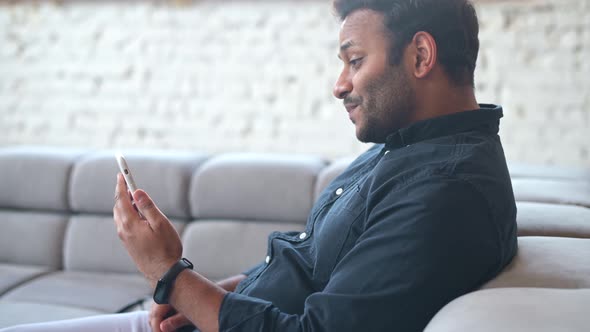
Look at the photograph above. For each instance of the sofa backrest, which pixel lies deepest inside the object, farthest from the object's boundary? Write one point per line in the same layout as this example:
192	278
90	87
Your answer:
59	211
91	243
56	206
34	204
547	262
237	200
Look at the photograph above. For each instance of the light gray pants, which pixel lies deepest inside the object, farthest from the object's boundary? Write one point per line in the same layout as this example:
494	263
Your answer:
136	321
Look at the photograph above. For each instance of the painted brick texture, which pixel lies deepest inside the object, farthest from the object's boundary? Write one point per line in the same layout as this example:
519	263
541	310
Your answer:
221	76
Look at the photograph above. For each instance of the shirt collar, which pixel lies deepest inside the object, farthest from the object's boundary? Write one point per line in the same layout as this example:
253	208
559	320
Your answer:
486	118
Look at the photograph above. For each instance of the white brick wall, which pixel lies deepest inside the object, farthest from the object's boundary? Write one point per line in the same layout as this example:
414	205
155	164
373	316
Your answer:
257	76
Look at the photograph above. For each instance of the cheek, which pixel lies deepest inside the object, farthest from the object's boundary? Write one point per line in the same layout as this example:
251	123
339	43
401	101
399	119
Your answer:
359	82
367	79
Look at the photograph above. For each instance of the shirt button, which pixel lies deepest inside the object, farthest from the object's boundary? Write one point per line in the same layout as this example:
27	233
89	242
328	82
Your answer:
267	260
339	191
302	235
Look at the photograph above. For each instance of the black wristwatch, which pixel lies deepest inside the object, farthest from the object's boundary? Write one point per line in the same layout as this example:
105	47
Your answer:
164	286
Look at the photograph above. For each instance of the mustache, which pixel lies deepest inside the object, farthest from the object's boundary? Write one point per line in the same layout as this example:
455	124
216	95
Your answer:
357	100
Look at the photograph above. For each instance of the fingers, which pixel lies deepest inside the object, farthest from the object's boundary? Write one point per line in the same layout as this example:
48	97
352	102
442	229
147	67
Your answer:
122	198
157	314
117	189
174	322
147	208
123	211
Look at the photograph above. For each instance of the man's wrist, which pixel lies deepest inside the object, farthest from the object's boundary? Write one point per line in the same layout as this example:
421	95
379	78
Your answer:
165	284
160	272
183	277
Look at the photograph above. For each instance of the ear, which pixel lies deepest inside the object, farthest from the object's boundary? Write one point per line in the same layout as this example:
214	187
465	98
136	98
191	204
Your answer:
425	54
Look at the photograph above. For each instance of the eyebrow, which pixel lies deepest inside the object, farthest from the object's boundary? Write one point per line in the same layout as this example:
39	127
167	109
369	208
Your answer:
348	44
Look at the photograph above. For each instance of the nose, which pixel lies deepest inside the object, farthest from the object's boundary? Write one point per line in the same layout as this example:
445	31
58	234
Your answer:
343	85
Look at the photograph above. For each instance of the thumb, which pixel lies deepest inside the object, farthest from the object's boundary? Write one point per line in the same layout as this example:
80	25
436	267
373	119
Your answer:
146	206
174	322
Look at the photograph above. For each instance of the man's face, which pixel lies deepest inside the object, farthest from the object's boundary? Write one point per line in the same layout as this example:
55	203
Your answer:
378	96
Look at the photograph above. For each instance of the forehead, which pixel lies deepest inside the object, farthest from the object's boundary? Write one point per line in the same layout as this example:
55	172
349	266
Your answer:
362	26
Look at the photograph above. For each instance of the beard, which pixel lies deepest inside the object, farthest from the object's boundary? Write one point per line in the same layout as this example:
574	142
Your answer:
388	106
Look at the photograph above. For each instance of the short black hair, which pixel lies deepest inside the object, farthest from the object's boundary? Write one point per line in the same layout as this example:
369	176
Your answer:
452	23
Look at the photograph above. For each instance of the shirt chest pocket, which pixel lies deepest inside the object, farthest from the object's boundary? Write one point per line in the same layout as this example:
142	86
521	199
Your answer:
332	232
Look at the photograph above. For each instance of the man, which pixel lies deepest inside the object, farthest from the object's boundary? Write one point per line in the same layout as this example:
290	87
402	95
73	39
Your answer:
424	216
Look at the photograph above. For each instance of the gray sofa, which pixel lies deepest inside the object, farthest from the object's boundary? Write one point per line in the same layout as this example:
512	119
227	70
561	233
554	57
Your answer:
60	256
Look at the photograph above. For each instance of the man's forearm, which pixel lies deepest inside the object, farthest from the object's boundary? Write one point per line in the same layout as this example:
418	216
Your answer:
199	299
230	284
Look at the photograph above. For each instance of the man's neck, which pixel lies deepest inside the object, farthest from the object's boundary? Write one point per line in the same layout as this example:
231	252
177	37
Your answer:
444	101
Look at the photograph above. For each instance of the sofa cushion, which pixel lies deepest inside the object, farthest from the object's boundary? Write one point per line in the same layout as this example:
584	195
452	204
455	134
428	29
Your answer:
551	262
165	176
108	292
540	219
552	191
32	238
222	248
515	309
91	244
12	275
14	313
255	187
37	177
532	171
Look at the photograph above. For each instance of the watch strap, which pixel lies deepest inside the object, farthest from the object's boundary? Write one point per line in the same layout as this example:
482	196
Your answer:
164	286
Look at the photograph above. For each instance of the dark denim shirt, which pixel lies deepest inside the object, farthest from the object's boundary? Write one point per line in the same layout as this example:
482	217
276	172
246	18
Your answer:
409	226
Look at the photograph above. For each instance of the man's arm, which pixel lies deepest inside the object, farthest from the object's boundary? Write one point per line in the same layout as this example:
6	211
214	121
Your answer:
154	245
164	318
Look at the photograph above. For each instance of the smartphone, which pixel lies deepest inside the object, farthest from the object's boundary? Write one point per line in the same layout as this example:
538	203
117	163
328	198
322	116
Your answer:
128	179
126	172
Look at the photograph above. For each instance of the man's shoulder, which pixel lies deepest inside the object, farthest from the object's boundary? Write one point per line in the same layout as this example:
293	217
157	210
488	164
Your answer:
447	167
454	156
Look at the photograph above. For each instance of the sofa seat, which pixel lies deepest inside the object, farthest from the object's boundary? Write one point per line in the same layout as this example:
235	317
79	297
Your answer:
20	312
12	275
106	292
516	309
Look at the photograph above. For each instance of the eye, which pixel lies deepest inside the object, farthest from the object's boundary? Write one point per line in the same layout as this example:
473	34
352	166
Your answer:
355	63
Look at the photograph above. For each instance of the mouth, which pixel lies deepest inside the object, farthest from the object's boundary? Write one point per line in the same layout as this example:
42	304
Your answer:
350	108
